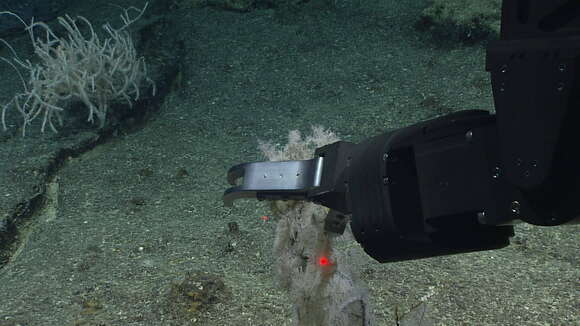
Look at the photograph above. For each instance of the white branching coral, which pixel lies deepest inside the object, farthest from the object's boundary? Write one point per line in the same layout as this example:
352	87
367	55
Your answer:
76	68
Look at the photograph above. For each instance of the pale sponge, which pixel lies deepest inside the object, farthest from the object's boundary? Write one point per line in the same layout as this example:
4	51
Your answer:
76	67
320	279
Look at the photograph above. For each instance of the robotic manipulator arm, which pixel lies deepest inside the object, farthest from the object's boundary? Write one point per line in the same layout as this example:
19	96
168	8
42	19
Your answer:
458	182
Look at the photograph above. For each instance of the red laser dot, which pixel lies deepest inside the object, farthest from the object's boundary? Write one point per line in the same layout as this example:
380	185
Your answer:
323	261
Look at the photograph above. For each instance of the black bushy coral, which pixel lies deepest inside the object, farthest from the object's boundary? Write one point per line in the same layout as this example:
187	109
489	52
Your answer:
320	278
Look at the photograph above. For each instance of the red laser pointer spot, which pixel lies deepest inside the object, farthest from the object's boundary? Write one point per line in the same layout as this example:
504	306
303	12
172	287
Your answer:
323	261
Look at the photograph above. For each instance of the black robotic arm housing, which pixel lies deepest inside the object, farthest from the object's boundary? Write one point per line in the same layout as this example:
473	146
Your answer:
429	189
